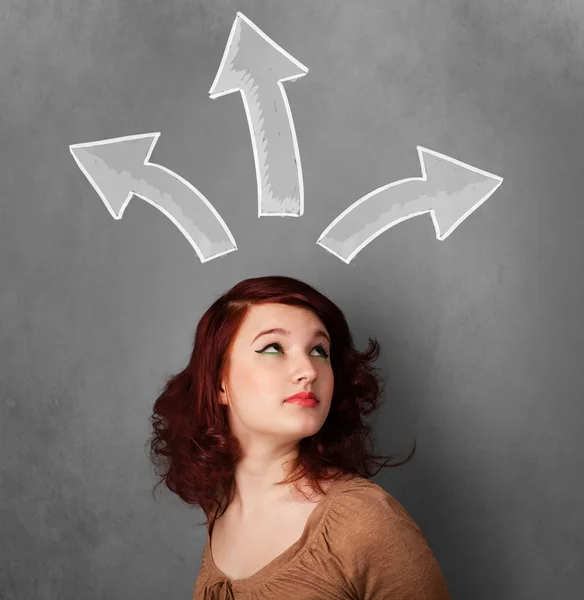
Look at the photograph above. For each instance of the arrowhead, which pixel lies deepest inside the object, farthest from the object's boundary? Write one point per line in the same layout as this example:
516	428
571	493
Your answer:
459	189
113	166
251	54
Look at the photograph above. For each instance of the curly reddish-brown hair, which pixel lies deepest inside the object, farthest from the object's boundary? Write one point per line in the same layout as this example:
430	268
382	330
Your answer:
191	446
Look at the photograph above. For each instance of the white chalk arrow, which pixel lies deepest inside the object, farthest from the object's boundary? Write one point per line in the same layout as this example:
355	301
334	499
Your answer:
256	66
120	167
449	190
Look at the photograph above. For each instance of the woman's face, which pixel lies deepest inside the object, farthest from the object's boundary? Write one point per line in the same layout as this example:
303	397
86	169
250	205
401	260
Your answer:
264	370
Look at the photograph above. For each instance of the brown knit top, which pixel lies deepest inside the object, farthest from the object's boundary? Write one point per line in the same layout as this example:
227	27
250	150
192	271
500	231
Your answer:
359	543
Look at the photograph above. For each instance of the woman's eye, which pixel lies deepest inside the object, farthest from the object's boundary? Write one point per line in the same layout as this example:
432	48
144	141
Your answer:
323	351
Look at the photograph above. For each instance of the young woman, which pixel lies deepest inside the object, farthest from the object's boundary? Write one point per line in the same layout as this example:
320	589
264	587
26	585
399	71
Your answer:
285	483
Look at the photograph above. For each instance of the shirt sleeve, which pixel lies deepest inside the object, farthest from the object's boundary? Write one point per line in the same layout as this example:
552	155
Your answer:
385	555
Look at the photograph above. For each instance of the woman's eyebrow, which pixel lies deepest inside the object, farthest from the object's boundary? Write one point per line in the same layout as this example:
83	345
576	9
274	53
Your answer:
317	333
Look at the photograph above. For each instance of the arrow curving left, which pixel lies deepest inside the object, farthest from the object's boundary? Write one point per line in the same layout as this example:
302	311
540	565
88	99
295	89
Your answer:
120	167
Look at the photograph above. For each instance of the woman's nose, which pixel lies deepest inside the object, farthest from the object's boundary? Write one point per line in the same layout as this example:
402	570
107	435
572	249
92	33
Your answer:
303	367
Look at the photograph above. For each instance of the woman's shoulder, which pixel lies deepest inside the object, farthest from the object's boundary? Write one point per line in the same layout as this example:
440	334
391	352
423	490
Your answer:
368	502
378	544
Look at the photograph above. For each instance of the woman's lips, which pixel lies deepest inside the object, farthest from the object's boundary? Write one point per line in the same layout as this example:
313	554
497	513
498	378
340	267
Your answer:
302	401
303	394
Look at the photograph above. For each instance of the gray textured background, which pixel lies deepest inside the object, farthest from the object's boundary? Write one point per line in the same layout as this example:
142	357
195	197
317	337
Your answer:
482	335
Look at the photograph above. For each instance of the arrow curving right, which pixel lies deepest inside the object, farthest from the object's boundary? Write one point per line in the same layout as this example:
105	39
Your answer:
450	192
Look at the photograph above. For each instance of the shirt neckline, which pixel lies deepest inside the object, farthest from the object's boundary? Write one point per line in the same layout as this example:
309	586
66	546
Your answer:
283	560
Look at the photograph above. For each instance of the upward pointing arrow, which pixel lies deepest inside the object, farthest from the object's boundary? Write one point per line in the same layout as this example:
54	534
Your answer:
256	66
118	167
